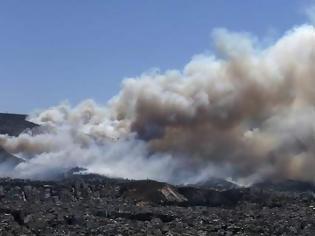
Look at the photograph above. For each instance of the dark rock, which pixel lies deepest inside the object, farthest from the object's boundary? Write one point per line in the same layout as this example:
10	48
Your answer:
208	197
287	186
82	205
151	191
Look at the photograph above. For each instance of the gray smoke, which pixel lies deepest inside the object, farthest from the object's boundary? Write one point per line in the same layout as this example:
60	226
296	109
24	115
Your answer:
246	113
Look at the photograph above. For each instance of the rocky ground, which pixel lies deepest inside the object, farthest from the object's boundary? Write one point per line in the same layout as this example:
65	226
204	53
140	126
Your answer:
95	205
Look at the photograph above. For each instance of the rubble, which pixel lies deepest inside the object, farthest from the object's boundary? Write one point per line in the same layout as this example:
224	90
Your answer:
96	205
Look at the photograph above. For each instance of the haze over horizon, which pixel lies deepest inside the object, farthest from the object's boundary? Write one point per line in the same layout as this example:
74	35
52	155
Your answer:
56	51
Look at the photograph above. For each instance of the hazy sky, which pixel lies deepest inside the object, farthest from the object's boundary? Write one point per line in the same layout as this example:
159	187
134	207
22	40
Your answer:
58	50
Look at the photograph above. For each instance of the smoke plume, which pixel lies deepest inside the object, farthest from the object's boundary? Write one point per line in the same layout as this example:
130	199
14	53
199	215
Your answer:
245	113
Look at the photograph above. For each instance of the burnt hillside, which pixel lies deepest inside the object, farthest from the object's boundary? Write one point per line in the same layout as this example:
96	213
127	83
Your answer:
96	205
14	124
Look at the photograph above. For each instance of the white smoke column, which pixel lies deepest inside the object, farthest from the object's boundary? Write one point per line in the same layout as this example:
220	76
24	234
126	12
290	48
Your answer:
247	114
84	136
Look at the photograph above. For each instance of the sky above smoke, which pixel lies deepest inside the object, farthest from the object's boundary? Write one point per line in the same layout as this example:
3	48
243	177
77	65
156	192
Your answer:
246	113
57	50
310	13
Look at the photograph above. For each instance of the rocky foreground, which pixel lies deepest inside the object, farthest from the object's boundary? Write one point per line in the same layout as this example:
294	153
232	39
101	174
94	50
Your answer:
95	205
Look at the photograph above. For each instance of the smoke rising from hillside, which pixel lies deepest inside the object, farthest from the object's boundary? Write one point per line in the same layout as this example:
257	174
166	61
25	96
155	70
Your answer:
246	113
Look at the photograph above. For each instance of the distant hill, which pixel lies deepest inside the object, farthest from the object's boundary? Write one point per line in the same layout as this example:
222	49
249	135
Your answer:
13	125
8	159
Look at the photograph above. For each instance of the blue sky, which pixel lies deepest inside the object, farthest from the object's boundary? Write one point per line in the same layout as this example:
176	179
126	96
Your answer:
51	51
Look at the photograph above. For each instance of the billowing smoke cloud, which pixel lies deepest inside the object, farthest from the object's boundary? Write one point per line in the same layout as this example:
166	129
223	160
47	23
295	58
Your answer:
246	113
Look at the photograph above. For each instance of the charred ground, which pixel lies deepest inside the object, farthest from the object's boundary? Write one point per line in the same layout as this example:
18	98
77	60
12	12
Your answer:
96	205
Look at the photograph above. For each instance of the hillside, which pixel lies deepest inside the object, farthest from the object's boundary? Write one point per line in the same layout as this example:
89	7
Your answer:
13	125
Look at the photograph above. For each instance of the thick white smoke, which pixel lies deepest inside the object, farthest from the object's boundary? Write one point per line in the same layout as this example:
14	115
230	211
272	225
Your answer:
86	136
247	113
